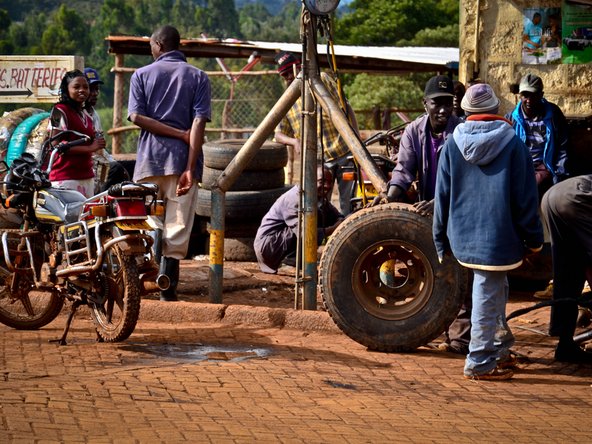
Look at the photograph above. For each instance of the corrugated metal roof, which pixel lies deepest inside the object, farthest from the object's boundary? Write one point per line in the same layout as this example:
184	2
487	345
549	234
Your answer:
415	54
385	59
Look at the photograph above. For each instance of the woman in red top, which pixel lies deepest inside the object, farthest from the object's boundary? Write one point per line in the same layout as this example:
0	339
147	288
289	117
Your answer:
74	169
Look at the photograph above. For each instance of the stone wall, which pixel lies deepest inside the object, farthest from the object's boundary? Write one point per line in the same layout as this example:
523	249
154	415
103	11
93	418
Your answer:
490	49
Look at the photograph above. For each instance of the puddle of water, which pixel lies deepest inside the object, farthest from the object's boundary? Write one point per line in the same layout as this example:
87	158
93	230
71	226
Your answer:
201	352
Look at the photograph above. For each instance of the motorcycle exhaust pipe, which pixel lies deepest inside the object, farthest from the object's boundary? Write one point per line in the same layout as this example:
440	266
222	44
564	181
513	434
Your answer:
163	282
149	284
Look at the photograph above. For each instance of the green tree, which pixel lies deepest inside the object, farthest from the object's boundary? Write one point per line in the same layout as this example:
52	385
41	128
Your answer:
218	19
376	22
443	36
67	34
284	27
253	19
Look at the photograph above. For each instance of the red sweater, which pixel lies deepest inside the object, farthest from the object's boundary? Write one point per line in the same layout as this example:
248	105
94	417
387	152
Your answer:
73	166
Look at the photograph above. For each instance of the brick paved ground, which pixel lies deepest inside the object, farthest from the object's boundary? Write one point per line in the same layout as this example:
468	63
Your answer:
214	382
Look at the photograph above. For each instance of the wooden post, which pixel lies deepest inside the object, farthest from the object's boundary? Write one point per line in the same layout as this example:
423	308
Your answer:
117	103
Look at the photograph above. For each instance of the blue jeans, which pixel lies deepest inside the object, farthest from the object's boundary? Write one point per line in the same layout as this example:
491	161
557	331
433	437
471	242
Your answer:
491	337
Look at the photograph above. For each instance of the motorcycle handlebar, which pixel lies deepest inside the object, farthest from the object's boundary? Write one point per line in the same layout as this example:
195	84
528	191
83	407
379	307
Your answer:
62	147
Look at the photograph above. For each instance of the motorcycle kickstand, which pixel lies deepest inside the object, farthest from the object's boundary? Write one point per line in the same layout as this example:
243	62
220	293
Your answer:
62	340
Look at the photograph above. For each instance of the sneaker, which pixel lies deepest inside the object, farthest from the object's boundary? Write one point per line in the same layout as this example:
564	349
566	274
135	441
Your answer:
497	374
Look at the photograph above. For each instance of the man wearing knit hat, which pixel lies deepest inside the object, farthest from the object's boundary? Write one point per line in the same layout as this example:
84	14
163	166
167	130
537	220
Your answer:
485	213
542	126
335	151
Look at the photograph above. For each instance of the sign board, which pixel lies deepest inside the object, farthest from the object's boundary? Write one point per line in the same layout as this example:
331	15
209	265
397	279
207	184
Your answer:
34	79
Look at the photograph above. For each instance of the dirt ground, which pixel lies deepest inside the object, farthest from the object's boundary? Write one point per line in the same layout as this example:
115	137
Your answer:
244	284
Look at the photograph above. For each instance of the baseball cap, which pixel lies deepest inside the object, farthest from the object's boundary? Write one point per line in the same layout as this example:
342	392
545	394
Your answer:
285	61
92	76
439	86
530	83
480	99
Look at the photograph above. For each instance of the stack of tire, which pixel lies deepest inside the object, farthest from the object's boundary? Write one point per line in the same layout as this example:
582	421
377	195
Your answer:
249	198
21	130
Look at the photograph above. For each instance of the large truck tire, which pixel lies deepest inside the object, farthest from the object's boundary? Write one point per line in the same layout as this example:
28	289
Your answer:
248	180
219	153
382	283
243	205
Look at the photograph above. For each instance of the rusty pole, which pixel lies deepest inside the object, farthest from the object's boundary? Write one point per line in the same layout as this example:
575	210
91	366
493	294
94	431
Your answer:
309	188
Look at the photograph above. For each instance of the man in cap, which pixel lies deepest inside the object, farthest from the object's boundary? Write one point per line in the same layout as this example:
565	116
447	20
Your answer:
485	213
418	157
542	126
335	151
421	143
115	173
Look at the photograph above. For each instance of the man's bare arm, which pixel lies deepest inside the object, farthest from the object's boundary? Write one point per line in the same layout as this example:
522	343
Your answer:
160	129
196	138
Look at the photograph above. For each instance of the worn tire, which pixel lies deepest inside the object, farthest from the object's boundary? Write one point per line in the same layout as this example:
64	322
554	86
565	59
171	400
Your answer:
382	283
244	205
239	249
219	153
27	308
248	180
116	318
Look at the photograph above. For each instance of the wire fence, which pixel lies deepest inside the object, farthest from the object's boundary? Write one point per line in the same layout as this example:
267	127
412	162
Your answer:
241	100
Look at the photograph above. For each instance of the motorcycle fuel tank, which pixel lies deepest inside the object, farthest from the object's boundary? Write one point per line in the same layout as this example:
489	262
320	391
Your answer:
57	205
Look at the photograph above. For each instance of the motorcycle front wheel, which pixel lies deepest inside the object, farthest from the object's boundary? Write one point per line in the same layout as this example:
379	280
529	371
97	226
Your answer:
26	309
116	315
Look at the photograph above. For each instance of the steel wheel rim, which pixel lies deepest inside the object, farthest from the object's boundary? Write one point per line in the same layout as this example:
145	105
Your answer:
392	279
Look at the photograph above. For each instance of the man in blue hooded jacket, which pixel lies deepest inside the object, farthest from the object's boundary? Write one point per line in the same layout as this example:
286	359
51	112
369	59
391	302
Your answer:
542	126
485	213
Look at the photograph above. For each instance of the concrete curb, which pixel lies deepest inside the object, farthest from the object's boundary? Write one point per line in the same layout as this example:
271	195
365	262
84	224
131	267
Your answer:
265	317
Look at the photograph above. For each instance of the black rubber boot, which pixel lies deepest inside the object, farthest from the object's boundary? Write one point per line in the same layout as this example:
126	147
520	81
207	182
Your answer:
170	267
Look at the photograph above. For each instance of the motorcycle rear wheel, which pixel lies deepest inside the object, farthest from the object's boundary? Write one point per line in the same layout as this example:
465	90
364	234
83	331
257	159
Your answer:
115	318
28	310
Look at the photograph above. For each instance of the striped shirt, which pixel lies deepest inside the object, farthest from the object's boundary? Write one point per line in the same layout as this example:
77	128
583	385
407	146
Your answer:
332	142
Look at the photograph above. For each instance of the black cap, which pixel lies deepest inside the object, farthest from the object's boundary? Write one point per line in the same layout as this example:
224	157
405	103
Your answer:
439	86
285	61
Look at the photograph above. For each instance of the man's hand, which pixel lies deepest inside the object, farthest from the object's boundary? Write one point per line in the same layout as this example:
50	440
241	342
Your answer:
425	207
378	200
185	182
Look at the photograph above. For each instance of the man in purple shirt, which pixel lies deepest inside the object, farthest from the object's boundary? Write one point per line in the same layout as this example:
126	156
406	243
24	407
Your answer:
277	235
419	149
170	100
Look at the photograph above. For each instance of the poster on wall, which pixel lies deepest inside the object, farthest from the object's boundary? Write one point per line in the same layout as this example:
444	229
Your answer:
541	36
577	32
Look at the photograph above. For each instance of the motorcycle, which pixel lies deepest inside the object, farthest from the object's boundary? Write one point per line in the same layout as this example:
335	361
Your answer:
93	252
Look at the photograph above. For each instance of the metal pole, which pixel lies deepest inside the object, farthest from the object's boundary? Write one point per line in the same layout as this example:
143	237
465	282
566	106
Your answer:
117	102
216	272
309	209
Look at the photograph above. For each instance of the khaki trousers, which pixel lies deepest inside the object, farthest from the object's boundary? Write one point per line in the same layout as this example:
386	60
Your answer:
178	217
